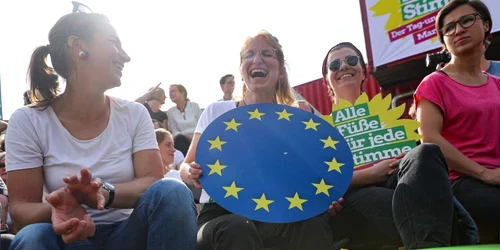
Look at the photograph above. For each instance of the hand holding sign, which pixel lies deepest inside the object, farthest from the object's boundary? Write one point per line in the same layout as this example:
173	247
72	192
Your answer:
374	132
274	163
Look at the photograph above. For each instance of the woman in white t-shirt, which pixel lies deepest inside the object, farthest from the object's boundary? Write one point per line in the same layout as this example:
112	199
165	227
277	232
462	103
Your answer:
83	131
183	117
263	70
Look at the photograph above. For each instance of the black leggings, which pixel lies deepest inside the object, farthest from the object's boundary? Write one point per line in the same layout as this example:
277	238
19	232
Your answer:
218	229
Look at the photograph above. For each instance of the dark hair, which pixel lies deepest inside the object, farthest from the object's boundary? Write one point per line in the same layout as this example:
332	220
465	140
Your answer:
325	62
223	79
478	5
44	80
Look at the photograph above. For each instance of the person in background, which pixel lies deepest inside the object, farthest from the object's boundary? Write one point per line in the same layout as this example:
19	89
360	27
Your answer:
227	86
183	117
262	65
156	124
64	139
167	151
3	126
384	199
302	104
458	109
490	66
155	98
4	194
26	98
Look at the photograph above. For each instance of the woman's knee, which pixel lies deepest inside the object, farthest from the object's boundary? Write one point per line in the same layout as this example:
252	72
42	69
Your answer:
35	235
425	157
170	189
230	224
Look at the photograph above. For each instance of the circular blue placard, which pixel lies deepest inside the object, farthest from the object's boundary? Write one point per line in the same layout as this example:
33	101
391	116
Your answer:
274	163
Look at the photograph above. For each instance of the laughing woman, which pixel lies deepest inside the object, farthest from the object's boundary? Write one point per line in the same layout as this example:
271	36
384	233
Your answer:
81	131
262	66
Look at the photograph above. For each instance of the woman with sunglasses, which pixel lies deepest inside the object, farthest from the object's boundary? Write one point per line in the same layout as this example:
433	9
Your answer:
459	110
262	67
63	139
388	203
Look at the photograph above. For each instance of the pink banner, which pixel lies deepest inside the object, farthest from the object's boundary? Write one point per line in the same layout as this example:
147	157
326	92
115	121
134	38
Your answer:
424	35
425	22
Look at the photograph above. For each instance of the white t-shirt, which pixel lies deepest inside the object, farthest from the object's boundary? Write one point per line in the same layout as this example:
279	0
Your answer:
211	113
36	138
183	123
178	159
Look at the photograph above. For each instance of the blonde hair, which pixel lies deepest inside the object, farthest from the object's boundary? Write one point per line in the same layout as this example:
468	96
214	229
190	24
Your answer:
161	134
157	94
283	93
181	89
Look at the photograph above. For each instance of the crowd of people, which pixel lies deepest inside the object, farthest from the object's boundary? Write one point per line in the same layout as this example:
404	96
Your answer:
87	170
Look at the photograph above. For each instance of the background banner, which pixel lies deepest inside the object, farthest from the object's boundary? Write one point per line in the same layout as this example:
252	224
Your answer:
403	28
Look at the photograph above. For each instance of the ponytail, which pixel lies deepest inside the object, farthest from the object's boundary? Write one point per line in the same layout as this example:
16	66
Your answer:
44	82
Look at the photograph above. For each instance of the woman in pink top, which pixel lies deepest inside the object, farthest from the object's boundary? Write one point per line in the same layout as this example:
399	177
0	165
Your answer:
459	110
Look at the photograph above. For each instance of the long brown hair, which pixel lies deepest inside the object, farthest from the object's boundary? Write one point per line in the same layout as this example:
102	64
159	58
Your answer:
43	79
283	93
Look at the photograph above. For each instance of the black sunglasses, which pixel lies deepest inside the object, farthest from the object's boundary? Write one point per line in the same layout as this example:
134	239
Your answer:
2	165
337	63
80	7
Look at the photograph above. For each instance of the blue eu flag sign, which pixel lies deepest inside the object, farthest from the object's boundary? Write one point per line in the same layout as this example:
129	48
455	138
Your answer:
274	163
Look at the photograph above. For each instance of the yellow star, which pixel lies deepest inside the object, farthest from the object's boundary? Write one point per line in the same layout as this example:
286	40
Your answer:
232	190
329	143
256	114
321	187
296	201
263	203
334	165
311	124
216	168
232	125
284	115
217	143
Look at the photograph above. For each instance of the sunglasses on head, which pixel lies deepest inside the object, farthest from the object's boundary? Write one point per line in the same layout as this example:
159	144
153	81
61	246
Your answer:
337	63
80	8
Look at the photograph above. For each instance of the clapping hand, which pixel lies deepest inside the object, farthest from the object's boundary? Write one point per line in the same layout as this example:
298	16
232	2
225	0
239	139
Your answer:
69	218
85	190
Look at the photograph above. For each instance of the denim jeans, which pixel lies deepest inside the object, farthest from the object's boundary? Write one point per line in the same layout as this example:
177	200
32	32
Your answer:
164	218
413	208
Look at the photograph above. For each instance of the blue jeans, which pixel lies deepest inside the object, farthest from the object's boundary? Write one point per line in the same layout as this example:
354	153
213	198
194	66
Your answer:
164	218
